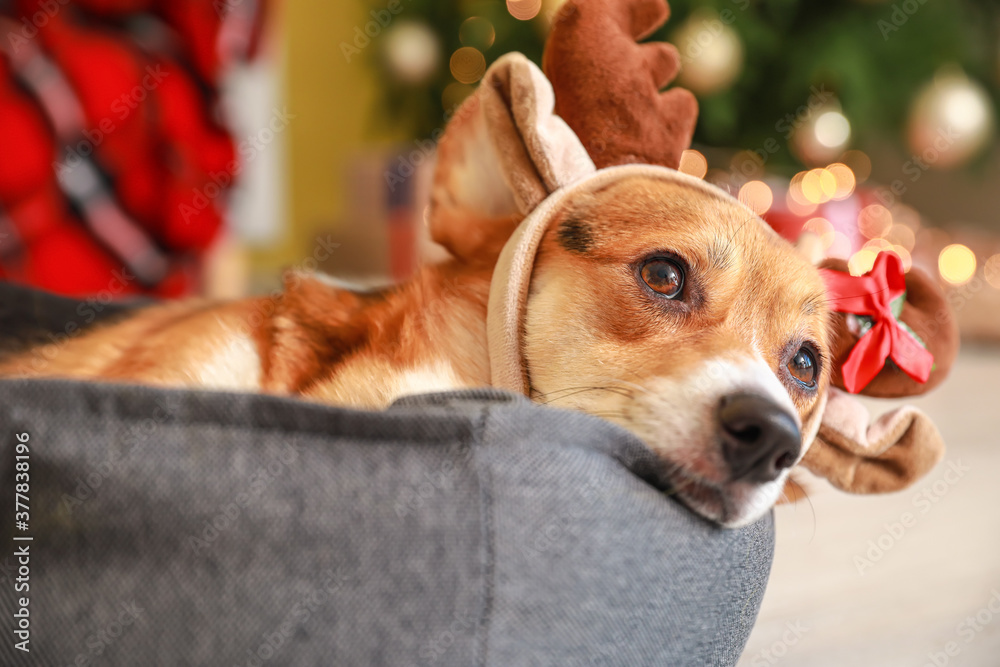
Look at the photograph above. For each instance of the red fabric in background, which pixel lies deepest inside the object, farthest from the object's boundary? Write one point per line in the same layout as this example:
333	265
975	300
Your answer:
150	117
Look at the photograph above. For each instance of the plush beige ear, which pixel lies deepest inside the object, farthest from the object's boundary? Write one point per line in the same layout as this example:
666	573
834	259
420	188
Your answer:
895	451
503	152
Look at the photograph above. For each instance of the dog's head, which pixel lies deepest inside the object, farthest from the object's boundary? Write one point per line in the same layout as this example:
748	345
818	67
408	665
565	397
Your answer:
659	302
679	315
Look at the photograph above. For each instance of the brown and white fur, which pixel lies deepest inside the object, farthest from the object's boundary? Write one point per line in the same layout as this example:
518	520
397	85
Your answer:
595	337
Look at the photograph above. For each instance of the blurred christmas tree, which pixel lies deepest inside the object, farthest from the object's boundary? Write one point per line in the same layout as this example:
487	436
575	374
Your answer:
795	80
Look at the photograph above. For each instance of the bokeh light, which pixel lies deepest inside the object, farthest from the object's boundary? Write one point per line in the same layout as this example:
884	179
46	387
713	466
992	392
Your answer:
874	221
822	228
468	65
957	264
878	245
795	200
800	210
906	215
812	189
693	163
818	186
524	10
712	51
477	32
757	196
901	235
965	109
955	104
904	256
991	270
832	129
862	261
412	52
844	178
795	189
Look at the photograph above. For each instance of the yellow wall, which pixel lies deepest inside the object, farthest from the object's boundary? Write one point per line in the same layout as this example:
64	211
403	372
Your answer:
333	101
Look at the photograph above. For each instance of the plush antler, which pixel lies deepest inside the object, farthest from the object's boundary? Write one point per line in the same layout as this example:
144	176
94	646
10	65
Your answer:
891	454
607	85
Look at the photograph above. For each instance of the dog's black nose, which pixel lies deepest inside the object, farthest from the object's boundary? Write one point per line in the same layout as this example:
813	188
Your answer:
759	437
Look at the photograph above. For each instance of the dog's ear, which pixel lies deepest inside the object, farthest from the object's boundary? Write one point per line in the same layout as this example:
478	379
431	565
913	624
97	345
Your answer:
920	321
503	152
896	450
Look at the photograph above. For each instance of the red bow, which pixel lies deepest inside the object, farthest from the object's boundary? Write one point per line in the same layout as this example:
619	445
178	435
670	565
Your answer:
871	295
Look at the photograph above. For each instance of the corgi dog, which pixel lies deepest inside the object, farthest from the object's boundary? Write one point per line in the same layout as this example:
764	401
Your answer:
711	345
631	292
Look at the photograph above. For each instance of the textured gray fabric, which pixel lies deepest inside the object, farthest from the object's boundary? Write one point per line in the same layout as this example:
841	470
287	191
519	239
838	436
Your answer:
187	528
29	316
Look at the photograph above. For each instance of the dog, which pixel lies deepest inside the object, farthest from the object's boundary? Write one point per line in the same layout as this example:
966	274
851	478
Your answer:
710	342
633	292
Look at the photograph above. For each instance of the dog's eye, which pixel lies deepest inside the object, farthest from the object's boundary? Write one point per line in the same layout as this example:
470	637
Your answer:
664	277
803	367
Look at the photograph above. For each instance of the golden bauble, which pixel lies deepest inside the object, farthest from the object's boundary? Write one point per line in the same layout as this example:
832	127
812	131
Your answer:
950	122
711	52
412	52
822	136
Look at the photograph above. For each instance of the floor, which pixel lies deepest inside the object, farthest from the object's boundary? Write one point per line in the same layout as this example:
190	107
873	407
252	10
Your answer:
851	585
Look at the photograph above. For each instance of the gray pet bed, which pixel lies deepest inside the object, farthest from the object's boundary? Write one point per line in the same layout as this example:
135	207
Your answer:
191	528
